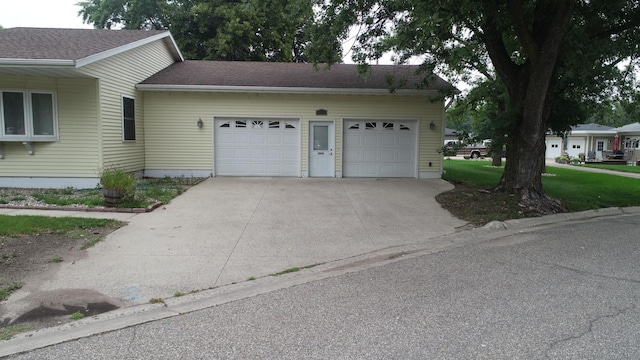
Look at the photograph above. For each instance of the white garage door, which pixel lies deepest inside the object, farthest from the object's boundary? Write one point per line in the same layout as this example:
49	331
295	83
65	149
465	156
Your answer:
379	148
553	148
575	147
257	147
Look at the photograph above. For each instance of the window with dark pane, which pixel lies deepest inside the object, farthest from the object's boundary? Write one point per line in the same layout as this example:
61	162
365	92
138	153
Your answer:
129	119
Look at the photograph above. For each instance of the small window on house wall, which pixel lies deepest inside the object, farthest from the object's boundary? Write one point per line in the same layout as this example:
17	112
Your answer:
128	119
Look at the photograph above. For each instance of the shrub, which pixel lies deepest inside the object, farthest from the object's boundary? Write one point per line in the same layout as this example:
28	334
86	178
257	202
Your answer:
118	179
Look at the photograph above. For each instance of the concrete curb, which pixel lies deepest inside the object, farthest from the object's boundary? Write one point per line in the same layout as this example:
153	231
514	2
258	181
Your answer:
140	314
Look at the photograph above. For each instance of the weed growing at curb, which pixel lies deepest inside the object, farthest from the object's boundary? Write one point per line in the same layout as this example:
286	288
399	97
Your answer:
251	278
292	270
178	293
157	301
8	332
76	315
287	271
56	259
7	290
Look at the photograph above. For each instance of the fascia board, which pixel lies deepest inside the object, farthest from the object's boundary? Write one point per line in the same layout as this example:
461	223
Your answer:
106	54
36	63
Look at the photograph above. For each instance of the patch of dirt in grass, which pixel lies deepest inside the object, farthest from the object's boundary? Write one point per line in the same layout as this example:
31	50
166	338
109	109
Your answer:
480	206
32	258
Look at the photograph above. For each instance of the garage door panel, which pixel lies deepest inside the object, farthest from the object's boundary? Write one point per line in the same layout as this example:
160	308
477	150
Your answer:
387	155
388	140
370	140
261	148
290	154
379	148
291	138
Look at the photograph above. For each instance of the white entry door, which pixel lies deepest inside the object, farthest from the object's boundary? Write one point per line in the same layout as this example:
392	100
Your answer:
321	146
601	148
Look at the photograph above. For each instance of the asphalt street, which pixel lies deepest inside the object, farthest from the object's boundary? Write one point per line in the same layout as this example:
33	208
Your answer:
570	291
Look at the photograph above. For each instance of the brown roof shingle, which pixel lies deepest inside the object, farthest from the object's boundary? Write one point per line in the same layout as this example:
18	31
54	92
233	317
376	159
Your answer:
287	75
64	44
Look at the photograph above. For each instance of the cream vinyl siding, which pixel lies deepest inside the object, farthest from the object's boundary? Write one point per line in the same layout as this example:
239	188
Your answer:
118	76
173	141
76	152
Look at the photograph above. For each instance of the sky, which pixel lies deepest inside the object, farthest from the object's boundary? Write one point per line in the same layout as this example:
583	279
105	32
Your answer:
41	13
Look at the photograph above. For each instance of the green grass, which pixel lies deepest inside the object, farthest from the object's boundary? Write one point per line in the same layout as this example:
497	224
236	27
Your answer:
7	290
622	168
147	192
56	259
76	315
17	225
578	190
8	332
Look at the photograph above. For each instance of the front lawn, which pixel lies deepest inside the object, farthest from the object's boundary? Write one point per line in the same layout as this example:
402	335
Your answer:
578	191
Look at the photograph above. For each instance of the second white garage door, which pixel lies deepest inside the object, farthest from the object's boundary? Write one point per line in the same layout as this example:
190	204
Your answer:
257	147
379	148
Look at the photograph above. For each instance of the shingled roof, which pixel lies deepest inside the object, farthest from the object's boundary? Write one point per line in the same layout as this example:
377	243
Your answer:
257	76
68	44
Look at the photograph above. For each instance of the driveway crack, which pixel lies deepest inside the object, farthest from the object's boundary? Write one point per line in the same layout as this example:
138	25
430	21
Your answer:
357	213
244	229
589	329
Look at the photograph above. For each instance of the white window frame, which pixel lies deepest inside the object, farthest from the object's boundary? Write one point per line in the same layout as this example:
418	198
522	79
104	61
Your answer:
124	139
29	135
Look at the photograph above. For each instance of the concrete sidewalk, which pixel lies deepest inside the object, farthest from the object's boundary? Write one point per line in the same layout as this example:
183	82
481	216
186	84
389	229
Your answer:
226	230
551	162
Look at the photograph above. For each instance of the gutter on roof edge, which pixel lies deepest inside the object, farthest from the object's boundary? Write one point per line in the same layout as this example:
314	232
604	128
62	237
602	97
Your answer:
280	90
37	63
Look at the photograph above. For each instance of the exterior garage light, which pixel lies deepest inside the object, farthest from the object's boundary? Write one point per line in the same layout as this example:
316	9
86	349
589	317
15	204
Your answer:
200	123
432	126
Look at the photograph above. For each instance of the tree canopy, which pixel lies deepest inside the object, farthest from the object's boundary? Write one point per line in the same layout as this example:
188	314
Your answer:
256	30
549	56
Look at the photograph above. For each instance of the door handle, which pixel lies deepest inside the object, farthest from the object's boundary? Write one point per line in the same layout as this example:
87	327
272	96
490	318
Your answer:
320	153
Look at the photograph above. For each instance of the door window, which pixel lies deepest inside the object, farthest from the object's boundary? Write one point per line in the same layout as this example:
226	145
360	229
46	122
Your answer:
321	137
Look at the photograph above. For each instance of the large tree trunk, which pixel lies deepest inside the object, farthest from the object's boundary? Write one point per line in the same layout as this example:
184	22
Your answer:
530	86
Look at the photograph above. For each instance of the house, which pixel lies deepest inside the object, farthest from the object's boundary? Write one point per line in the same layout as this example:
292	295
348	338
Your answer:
585	139
74	101
450	135
629	141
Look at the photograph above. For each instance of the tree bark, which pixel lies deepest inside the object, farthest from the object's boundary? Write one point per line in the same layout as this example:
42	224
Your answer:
530	86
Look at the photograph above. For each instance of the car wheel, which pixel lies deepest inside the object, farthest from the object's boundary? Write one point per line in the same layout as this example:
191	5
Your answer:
475	155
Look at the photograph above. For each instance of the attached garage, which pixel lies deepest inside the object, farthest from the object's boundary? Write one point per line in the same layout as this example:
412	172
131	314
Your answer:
257	146
380	148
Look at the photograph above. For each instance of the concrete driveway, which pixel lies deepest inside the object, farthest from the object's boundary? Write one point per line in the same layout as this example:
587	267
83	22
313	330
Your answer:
226	230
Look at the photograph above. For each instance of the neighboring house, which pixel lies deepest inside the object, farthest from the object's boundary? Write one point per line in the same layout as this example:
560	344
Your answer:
584	139
450	135
629	141
75	101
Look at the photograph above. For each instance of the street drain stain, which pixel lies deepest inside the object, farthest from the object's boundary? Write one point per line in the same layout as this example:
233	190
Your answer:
43	312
